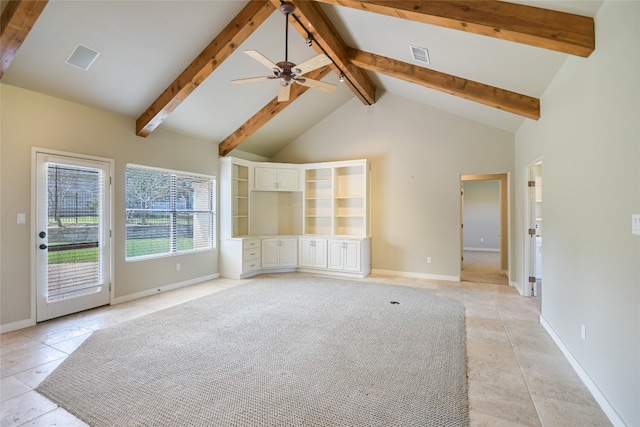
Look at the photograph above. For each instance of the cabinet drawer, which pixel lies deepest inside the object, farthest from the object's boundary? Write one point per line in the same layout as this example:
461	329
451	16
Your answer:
251	244
251	254
250	265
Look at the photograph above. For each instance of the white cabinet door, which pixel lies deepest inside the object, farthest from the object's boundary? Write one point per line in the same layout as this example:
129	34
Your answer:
352	256
345	255
289	253
276	179
270	253
336	258
279	253
313	253
265	178
288	180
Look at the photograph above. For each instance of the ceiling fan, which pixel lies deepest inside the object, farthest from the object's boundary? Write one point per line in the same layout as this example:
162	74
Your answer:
288	72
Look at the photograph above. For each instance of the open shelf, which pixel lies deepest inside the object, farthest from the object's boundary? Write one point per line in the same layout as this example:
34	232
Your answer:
240	200
349	226
335	201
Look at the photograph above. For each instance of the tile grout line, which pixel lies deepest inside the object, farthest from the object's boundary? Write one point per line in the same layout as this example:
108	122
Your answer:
515	354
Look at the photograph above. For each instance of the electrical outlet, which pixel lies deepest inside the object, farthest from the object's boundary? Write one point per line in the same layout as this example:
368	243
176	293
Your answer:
177	266
428	260
583	332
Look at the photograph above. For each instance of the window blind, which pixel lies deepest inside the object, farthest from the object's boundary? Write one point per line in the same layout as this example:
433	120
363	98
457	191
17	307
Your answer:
168	212
74	213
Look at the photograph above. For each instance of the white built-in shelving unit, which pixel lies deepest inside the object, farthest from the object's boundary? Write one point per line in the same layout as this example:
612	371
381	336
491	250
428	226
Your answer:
240	200
294	217
336	199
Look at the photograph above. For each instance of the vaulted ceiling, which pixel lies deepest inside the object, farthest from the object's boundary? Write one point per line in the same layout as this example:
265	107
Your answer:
171	63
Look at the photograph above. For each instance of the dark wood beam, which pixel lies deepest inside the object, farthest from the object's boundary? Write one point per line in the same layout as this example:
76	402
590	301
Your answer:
236	32
312	21
502	99
267	113
549	29
18	18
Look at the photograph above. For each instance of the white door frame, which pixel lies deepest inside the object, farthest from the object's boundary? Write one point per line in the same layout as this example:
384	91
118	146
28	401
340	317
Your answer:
526	264
505	218
34	220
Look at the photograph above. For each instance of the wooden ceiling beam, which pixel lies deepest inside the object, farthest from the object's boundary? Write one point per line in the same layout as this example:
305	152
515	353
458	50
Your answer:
17	20
232	36
313	22
267	113
548	29
502	99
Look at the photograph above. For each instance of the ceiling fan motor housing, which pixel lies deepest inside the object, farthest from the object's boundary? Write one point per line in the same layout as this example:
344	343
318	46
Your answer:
287	8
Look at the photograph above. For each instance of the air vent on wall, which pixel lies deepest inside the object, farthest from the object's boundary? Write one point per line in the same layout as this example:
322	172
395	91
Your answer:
420	54
82	57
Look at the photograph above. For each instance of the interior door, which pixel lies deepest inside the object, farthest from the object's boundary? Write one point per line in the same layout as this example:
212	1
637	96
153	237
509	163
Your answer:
461	225
73	260
535	229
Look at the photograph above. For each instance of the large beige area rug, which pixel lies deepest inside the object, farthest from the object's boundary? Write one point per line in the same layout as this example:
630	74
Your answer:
276	352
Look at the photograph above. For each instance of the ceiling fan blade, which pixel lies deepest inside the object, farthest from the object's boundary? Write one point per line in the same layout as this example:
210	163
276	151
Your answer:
313	63
316	84
283	93
261	59
253	79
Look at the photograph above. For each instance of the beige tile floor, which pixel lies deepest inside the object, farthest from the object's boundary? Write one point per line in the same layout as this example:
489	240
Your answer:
517	376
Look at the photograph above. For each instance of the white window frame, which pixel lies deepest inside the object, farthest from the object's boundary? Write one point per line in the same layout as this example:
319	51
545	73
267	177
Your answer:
173	211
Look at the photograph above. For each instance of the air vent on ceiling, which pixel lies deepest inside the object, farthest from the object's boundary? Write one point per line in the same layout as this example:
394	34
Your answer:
82	57
420	54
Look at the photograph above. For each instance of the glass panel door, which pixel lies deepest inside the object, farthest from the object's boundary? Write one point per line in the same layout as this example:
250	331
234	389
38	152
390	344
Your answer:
72	235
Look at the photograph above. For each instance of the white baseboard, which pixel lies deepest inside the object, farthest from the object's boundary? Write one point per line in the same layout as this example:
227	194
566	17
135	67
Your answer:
10	327
606	407
21	324
416	275
166	288
482	249
516	285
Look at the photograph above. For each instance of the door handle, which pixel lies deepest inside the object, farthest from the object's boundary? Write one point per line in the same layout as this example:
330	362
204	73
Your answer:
43	246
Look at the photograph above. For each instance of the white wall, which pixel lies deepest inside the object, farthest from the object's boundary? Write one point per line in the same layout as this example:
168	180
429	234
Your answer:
481	215
30	120
589	142
417	155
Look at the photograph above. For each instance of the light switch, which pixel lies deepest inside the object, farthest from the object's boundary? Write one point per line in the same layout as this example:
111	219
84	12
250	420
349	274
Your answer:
22	218
635	224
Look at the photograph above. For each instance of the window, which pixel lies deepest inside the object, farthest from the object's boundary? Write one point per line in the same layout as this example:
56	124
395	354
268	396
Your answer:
168	212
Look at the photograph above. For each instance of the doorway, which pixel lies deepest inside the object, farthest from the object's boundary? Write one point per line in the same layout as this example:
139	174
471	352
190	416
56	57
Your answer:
484	228
72	233
533	247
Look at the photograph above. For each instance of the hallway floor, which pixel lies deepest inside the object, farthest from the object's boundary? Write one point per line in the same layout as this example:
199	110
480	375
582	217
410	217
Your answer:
482	267
517	375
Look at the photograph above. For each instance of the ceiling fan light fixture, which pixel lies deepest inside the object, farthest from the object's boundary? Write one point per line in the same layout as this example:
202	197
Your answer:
288	72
